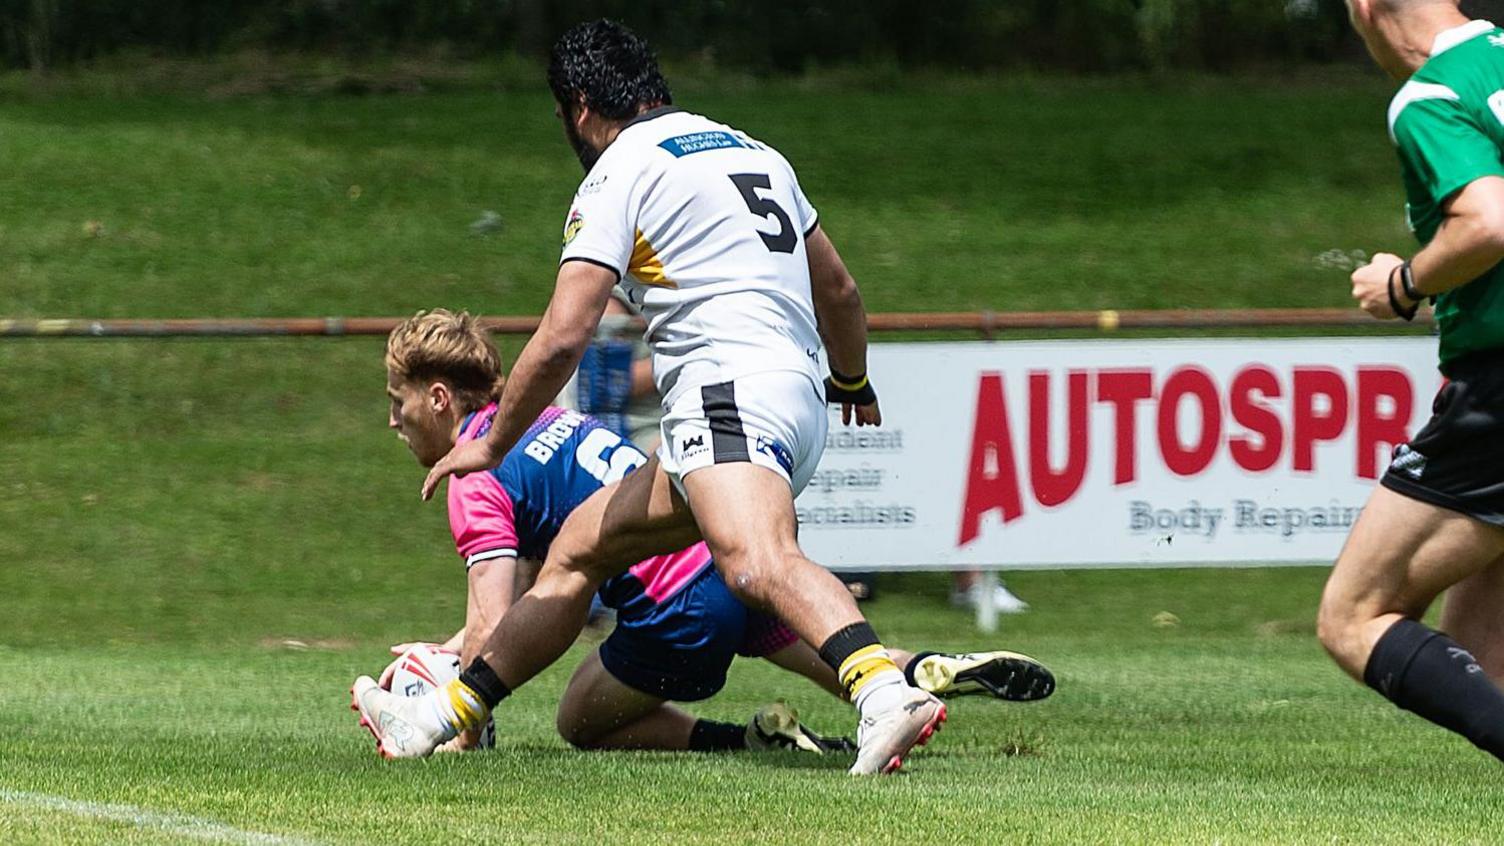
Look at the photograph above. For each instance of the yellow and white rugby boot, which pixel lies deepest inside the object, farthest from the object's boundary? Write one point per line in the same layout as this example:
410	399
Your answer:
777	727
883	739
404	726
1010	676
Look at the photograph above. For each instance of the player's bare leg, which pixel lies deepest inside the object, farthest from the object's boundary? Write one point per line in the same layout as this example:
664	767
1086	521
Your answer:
615	527
802	659
746	514
598	711
1471	615
1401	554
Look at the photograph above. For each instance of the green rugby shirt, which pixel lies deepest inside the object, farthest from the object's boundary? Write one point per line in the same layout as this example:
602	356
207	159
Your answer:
1447	123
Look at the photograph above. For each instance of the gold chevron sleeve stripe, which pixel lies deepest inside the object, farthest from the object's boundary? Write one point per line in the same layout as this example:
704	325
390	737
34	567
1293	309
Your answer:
645	264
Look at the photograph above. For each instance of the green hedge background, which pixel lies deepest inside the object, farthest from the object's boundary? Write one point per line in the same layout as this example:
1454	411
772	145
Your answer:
764	36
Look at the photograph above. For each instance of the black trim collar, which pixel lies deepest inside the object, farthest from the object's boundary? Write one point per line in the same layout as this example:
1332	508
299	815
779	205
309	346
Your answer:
648	115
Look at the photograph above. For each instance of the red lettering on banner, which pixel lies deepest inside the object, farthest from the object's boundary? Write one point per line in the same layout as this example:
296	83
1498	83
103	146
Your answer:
1309	424
1123	389
992	478
1376	427
1189	382
1052	487
1256	417
1260	421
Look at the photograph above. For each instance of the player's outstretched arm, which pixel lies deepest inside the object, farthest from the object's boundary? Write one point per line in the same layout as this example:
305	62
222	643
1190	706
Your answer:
494	586
542	368
1469	242
843	326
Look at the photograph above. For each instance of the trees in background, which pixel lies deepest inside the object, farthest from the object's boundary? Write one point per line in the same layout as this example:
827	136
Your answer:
765	36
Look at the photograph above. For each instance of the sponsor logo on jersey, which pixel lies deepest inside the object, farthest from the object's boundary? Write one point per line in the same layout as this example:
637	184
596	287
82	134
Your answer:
699	142
573	226
1496	40
593	185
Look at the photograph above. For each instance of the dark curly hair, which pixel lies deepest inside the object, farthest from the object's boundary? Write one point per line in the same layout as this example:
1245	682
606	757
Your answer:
610	67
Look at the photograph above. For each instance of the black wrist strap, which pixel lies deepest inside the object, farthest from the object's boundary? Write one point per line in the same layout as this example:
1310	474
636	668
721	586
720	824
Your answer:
846	389
1394	301
1407	283
849	382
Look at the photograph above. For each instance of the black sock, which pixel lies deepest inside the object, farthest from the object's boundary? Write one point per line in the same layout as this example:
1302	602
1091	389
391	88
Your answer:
1430	675
908	671
839	646
480	678
711	736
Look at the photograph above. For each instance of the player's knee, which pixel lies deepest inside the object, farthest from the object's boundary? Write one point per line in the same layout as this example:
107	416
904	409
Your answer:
574	732
1328	628
1339	630
755	578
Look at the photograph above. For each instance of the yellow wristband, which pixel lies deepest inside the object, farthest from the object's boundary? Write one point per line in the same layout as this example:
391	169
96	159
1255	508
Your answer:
849	386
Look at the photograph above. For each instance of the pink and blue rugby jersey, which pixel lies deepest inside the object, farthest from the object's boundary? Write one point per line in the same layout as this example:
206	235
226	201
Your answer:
516	509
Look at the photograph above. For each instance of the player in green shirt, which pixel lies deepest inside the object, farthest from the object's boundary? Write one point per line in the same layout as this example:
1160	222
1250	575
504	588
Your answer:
1436	523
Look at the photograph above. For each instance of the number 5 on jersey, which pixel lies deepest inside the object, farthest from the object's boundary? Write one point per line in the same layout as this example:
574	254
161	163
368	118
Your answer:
786	238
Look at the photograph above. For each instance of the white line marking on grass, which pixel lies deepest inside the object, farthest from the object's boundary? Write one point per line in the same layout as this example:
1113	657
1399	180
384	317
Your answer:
201	828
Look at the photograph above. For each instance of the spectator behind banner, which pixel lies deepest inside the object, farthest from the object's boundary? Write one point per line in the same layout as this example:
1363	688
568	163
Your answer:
614	382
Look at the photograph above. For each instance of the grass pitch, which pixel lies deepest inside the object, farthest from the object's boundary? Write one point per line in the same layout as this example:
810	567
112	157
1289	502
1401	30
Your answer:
1227	727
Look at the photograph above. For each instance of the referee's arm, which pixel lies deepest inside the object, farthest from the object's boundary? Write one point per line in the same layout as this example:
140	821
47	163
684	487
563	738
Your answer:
1469	242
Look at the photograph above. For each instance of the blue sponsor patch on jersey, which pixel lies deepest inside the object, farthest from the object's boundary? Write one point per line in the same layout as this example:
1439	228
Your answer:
699	142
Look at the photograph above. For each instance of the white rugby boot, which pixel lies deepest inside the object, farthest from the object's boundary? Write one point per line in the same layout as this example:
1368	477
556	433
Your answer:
883	739
404	726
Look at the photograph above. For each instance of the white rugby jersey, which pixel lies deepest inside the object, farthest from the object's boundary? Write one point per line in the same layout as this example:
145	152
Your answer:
705	230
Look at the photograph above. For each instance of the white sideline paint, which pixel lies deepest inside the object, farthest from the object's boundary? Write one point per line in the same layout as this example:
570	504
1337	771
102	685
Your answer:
200	828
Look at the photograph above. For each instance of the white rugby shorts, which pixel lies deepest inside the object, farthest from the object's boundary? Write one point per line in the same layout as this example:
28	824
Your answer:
776	419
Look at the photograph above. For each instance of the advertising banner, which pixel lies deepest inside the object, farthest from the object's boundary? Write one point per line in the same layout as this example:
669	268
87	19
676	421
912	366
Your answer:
1115	453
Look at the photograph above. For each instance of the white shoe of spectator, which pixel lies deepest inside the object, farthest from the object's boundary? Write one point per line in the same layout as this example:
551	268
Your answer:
1002	599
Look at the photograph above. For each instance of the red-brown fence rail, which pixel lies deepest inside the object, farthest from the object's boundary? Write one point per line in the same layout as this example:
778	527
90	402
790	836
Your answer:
984	323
